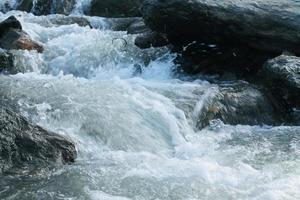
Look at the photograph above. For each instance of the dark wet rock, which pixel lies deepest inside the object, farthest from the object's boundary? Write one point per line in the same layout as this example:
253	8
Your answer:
115	8
210	58
151	39
271	26
46	7
24	144
6	61
9	23
282	76
240	104
13	37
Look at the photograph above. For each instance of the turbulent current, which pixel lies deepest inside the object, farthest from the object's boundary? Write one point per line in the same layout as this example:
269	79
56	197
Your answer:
133	121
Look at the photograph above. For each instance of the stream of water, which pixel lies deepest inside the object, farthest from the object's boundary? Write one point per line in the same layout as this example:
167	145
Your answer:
133	122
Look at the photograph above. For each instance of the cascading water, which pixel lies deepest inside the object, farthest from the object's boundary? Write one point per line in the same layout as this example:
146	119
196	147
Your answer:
134	125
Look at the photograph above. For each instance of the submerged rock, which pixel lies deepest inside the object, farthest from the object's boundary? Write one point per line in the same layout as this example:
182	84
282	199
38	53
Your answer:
23	144
240	104
13	37
115	8
271	26
282	76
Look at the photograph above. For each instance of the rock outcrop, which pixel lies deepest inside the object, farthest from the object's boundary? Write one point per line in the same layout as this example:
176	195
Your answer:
23	144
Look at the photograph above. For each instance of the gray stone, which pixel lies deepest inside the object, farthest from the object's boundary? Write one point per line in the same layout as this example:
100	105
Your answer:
240	104
282	76
23	144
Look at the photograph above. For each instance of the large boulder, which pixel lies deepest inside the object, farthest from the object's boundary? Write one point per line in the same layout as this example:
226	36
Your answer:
271	26
115	8
46	7
282	76
240	104
13	37
23	144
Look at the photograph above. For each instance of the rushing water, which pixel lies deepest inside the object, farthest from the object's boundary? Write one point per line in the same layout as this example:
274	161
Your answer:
134	125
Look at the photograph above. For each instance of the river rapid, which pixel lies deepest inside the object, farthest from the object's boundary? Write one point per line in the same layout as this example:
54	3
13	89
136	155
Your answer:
133	119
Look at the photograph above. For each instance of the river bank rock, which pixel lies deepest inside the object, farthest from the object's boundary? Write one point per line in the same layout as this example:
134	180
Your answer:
23	144
115	8
282	76
46	7
13	37
240	103
271	26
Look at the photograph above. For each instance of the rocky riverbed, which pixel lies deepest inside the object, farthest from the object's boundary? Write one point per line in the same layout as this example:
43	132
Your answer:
149	99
